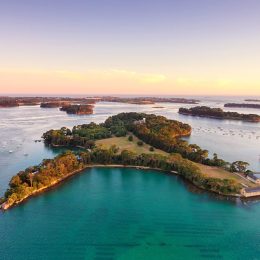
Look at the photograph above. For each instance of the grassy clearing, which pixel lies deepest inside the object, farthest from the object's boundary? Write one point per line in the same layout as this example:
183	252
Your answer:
216	172
123	144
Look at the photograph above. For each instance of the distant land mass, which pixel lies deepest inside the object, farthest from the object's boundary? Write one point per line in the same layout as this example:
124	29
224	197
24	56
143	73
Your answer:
150	100
52	102
218	113
252	100
243	105
8	102
43	101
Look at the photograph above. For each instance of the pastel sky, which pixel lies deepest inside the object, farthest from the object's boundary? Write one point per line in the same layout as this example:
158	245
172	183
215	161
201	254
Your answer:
176	47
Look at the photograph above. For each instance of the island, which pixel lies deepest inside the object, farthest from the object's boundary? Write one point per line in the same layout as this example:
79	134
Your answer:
242	105
137	140
218	113
44	102
78	109
252	100
149	100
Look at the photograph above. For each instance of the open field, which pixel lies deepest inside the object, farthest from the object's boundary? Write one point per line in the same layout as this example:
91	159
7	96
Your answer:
124	144
216	172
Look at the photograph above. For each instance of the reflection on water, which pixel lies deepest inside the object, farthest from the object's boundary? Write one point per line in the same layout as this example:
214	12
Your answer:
128	214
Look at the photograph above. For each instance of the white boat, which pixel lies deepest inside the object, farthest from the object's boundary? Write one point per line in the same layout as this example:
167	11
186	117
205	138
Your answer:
10	151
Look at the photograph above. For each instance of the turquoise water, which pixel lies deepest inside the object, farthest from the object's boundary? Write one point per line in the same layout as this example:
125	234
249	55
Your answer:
126	214
106	214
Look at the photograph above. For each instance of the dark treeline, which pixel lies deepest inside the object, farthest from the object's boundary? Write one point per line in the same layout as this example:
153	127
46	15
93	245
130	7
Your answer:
8	102
51	171
82	109
218	113
252	100
81	135
149	100
53	104
243	105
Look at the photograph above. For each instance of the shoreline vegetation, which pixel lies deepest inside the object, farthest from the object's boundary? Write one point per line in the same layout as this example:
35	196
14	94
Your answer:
6	205
218	113
160	148
40	178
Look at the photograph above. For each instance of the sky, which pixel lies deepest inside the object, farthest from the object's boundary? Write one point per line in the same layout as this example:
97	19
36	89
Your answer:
162	47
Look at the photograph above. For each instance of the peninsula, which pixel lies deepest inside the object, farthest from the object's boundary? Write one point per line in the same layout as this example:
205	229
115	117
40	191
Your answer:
126	140
218	113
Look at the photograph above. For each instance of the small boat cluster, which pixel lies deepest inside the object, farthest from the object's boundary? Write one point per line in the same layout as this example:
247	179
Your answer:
227	132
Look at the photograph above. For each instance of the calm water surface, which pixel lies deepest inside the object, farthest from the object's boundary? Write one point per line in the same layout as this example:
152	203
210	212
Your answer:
126	214
129	214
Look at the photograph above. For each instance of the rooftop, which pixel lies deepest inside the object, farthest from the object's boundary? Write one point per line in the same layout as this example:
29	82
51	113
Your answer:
252	176
257	189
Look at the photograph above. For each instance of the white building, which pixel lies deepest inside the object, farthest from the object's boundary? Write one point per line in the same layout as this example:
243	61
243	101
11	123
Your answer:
253	178
142	121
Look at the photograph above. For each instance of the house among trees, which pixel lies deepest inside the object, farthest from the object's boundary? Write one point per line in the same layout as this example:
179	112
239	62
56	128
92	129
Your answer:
253	178
142	121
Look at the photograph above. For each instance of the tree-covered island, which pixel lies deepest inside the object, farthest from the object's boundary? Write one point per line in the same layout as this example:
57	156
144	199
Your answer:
161	148
77	109
243	105
218	113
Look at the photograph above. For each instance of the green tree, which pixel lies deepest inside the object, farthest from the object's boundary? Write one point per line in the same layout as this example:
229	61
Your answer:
140	143
239	166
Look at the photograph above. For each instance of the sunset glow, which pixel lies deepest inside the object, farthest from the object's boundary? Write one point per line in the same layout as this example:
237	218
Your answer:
111	47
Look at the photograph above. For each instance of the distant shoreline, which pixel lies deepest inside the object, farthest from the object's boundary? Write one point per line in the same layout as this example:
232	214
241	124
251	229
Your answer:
218	113
243	105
